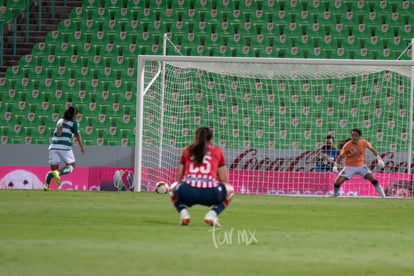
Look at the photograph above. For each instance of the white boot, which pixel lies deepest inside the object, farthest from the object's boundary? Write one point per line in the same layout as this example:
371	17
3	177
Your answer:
212	219
184	217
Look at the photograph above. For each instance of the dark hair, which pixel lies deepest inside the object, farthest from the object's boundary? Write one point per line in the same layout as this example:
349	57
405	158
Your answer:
330	137
343	142
357	130
199	148
70	113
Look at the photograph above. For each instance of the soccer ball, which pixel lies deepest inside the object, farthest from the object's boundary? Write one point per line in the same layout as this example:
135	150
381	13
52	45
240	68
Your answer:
161	187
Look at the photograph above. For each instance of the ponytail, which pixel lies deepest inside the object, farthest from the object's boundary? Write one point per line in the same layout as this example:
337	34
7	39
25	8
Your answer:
343	142
70	113
199	148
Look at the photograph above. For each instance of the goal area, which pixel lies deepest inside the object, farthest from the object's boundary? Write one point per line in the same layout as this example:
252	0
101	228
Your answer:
270	117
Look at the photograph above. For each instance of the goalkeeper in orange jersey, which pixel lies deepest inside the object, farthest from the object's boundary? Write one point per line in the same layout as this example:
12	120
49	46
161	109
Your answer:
354	153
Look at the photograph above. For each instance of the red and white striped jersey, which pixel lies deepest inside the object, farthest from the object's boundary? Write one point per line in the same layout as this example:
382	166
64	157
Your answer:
202	175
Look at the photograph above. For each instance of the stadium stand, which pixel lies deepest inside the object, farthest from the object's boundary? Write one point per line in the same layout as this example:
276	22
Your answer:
90	60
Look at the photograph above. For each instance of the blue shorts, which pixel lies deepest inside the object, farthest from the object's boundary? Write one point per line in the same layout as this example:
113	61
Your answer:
190	195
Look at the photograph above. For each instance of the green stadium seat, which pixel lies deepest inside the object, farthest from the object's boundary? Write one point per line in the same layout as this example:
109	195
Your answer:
74	60
4	133
128	93
160	5
54	40
16	6
407	28
109	50
90	28
92	4
405	8
96	61
40	134
189	16
132	25
18	135
114	5
247	26
154	47
132	50
27	61
77	38
79	15
39	72
146	15
107	74
83	48
116	60
123	15
180	5
189	39
135	5
197	50
63	50
17	73
203	5
40	49
101	15
88	134
202	27
111	27
67	27
13	113
115	136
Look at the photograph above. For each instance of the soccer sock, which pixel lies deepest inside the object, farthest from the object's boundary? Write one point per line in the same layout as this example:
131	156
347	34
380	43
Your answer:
178	204
378	188
66	169
220	207
336	190
49	177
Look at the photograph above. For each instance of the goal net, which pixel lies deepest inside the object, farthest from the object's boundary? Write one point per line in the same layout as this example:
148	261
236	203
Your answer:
270	117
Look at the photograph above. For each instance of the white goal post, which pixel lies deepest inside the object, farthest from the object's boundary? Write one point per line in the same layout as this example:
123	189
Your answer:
270	115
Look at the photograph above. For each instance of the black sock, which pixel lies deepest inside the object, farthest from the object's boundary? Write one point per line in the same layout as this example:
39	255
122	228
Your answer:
336	189
378	188
219	208
179	205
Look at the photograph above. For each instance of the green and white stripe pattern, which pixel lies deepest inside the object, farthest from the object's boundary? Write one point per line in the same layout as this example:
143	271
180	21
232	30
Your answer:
63	134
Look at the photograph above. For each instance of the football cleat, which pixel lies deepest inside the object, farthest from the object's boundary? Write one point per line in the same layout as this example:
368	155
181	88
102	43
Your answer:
56	175
212	219
184	217
46	187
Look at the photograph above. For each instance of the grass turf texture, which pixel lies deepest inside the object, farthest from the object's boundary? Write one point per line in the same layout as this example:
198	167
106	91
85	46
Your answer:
104	233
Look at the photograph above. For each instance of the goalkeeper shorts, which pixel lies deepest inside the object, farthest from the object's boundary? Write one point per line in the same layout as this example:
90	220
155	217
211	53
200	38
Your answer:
348	172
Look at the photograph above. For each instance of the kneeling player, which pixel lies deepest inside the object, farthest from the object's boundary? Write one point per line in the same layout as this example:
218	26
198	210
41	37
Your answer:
202	179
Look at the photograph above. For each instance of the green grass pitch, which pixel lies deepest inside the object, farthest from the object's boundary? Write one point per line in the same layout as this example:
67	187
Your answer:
107	233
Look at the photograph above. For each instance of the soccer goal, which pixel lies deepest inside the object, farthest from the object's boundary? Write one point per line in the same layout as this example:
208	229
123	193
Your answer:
270	116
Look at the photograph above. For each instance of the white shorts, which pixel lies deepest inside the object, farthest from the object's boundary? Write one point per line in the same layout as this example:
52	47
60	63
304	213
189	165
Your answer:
56	156
349	172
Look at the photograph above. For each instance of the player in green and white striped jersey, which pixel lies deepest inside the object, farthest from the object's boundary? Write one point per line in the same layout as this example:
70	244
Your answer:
61	147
